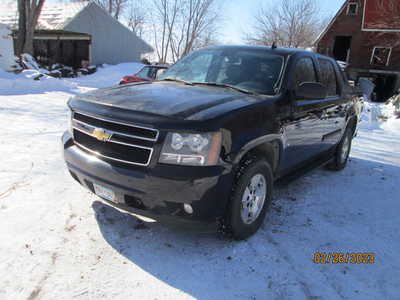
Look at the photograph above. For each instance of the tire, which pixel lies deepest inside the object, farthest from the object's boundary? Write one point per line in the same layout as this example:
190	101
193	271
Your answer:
342	152
257	198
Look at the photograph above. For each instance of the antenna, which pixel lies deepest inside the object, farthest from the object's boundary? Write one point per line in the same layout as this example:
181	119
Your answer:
274	46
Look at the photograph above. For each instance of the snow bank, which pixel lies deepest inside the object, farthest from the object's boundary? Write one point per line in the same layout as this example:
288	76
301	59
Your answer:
11	84
108	75
23	83
392	125
377	115
6	48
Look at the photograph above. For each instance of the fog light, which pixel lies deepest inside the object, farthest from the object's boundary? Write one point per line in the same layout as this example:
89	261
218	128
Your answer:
188	208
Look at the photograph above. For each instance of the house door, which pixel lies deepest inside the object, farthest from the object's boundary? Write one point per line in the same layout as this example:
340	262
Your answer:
341	48
385	87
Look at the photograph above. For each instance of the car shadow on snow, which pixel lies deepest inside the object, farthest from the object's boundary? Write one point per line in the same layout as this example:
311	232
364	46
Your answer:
207	267
178	257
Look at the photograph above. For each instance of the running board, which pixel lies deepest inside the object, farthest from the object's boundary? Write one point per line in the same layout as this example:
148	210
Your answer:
301	171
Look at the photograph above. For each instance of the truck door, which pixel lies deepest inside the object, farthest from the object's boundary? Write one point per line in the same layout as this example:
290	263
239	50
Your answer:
334	105
304	129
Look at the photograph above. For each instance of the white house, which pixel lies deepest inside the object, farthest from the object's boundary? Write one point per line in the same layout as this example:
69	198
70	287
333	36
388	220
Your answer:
73	32
6	48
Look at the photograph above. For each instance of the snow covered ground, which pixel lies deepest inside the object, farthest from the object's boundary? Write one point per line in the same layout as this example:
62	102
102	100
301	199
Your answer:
57	241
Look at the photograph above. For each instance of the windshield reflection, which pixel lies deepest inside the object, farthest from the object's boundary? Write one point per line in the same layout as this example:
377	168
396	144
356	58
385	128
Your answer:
251	71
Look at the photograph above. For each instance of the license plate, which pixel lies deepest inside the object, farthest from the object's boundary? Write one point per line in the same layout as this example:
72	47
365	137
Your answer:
104	192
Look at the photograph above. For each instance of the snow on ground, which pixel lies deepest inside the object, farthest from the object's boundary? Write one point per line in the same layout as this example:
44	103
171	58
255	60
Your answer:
57	241
22	84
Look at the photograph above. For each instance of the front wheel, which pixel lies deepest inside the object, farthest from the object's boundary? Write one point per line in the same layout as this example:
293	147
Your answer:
342	152
250	198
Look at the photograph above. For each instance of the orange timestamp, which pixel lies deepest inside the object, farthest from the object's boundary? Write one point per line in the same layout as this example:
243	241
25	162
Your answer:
344	258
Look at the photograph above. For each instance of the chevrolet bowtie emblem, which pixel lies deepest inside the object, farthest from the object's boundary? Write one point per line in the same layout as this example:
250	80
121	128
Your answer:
101	134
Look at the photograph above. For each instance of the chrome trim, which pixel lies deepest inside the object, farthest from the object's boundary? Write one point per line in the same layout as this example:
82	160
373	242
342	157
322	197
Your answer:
116	159
179	163
122	123
130	145
88	127
111	141
116	132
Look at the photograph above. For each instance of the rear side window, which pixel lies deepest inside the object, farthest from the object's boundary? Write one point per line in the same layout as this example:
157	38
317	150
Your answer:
305	71
328	76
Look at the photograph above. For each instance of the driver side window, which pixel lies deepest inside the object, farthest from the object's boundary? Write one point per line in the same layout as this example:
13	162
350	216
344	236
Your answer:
305	71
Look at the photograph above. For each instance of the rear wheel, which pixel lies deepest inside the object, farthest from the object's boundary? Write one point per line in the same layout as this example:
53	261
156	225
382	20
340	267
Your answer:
342	152
250	198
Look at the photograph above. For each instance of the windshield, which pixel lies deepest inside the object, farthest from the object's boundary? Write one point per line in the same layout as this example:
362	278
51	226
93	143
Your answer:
257	71
144	73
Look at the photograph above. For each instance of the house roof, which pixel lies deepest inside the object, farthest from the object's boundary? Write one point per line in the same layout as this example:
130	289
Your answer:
56	17
323	32
52	17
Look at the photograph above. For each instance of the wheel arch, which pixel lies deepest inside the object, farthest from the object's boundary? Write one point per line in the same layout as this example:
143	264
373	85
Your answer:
269	147
352	118
352	122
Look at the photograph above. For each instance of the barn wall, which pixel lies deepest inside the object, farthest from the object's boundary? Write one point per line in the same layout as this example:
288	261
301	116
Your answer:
386	78
112	42
363	42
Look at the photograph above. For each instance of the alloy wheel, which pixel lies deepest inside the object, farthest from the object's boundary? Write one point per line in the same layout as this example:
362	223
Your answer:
253	199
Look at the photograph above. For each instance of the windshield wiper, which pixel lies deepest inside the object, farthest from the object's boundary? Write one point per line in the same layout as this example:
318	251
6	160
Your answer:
226	86
177	80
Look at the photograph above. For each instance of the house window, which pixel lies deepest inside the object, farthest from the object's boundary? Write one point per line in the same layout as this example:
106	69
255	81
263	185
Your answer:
352	9
381	56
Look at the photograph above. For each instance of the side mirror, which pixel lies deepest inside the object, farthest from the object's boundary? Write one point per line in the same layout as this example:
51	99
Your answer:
311	91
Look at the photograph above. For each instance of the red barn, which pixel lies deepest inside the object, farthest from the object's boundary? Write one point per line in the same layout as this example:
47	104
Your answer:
366	35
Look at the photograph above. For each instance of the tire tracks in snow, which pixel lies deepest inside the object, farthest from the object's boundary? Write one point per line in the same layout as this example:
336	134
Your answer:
39	286
299	275
68	228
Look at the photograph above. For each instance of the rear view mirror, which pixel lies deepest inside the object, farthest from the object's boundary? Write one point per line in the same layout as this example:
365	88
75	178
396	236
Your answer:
311	91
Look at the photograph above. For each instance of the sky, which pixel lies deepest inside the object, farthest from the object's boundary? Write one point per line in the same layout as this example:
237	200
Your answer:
238	14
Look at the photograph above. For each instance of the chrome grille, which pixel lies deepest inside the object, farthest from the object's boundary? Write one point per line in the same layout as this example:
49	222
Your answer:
114	140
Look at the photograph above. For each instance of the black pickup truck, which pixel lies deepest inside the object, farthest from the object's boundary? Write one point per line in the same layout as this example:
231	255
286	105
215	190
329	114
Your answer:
204	144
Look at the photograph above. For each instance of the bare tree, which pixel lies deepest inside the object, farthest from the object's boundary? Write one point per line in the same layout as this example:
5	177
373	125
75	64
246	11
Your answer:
137	19
292	23
29	12
196	27
118	7
163	23
174	27
114	7
180	26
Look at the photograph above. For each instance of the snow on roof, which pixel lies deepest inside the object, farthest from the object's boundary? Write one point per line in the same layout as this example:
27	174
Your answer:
53	16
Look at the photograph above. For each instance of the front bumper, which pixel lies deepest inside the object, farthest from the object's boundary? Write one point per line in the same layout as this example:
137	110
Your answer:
157	192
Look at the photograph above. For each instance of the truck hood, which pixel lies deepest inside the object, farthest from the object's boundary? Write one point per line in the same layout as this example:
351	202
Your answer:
170	99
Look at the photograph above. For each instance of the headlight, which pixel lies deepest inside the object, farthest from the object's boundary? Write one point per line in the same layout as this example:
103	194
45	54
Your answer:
191	149
69	121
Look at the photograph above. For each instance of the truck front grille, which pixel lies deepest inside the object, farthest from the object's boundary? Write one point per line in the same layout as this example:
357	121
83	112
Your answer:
118	141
